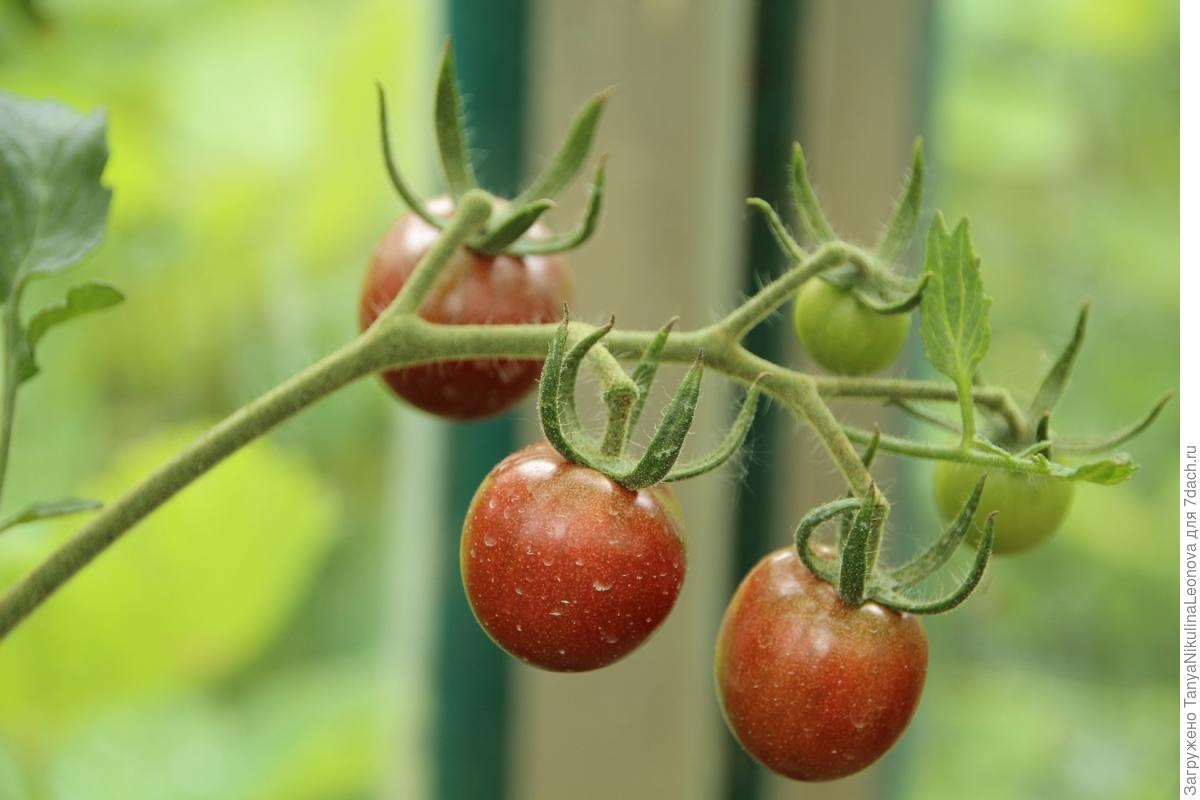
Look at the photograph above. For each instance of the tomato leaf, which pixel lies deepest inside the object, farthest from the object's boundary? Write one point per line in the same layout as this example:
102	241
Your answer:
82	299
48	509
53	207
1106	472
954	311
899	231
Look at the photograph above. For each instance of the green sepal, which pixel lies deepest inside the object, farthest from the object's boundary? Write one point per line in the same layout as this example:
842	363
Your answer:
790	247
48	509
901	602
823	568
812	218
900	229
859	551
1103	444
647	368
410	197
511	227
566	164
729	445
890	301
1056	379
867	457
570	240
450	128
82	299
663	450
556	419
569	376
940	552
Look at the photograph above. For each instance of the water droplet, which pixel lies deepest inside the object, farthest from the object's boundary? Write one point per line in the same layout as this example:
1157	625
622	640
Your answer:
601	587
611	638
520	591
547	562
489	541
579	562
562	652
472	552
520	628
648	619
565	602
491	502
529	550
556	613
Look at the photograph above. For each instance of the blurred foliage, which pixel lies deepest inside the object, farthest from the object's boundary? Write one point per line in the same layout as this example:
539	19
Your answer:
1055	127
228	648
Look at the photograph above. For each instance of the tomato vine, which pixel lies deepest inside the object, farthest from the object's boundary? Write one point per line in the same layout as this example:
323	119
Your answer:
53	210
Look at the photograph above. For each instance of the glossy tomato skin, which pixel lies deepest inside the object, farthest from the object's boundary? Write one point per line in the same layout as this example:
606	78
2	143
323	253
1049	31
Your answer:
475	289
843	335
564	568
810	687
1029	507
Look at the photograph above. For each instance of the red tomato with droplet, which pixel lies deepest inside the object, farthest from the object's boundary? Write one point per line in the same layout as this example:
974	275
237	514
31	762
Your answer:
810	687
475	289
563	567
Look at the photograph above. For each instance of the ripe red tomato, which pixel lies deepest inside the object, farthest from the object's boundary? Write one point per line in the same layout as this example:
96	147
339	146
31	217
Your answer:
475	289
812	688
566	569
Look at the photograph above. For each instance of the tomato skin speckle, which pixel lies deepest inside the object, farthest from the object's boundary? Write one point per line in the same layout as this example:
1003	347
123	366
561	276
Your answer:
476	289
573	540
810	687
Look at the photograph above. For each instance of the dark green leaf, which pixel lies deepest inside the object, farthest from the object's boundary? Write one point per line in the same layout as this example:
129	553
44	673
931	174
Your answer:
53	207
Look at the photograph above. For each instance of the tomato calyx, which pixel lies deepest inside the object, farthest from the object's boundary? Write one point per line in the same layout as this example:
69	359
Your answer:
852	566
625	399
872	278
511	221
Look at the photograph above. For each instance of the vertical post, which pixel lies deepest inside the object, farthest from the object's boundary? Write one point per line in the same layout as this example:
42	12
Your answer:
472	675
772	131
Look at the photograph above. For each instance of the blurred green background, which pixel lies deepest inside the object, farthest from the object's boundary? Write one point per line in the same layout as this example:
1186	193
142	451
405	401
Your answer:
237	646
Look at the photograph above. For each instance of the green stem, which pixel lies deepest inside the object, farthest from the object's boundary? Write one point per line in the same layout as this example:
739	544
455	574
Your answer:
915	449
8	395
361	357
779	291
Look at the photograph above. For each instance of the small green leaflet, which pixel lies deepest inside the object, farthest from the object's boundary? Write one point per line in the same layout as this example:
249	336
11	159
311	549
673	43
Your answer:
1106	472
48	509
53	207
954	309
82	299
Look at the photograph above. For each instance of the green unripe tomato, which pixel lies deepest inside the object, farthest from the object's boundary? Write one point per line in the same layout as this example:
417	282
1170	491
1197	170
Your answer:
1030	507
842	334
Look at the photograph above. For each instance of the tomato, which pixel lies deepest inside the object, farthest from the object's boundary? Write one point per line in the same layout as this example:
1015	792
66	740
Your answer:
810	687
475	289
1029	507
563	567
843	335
